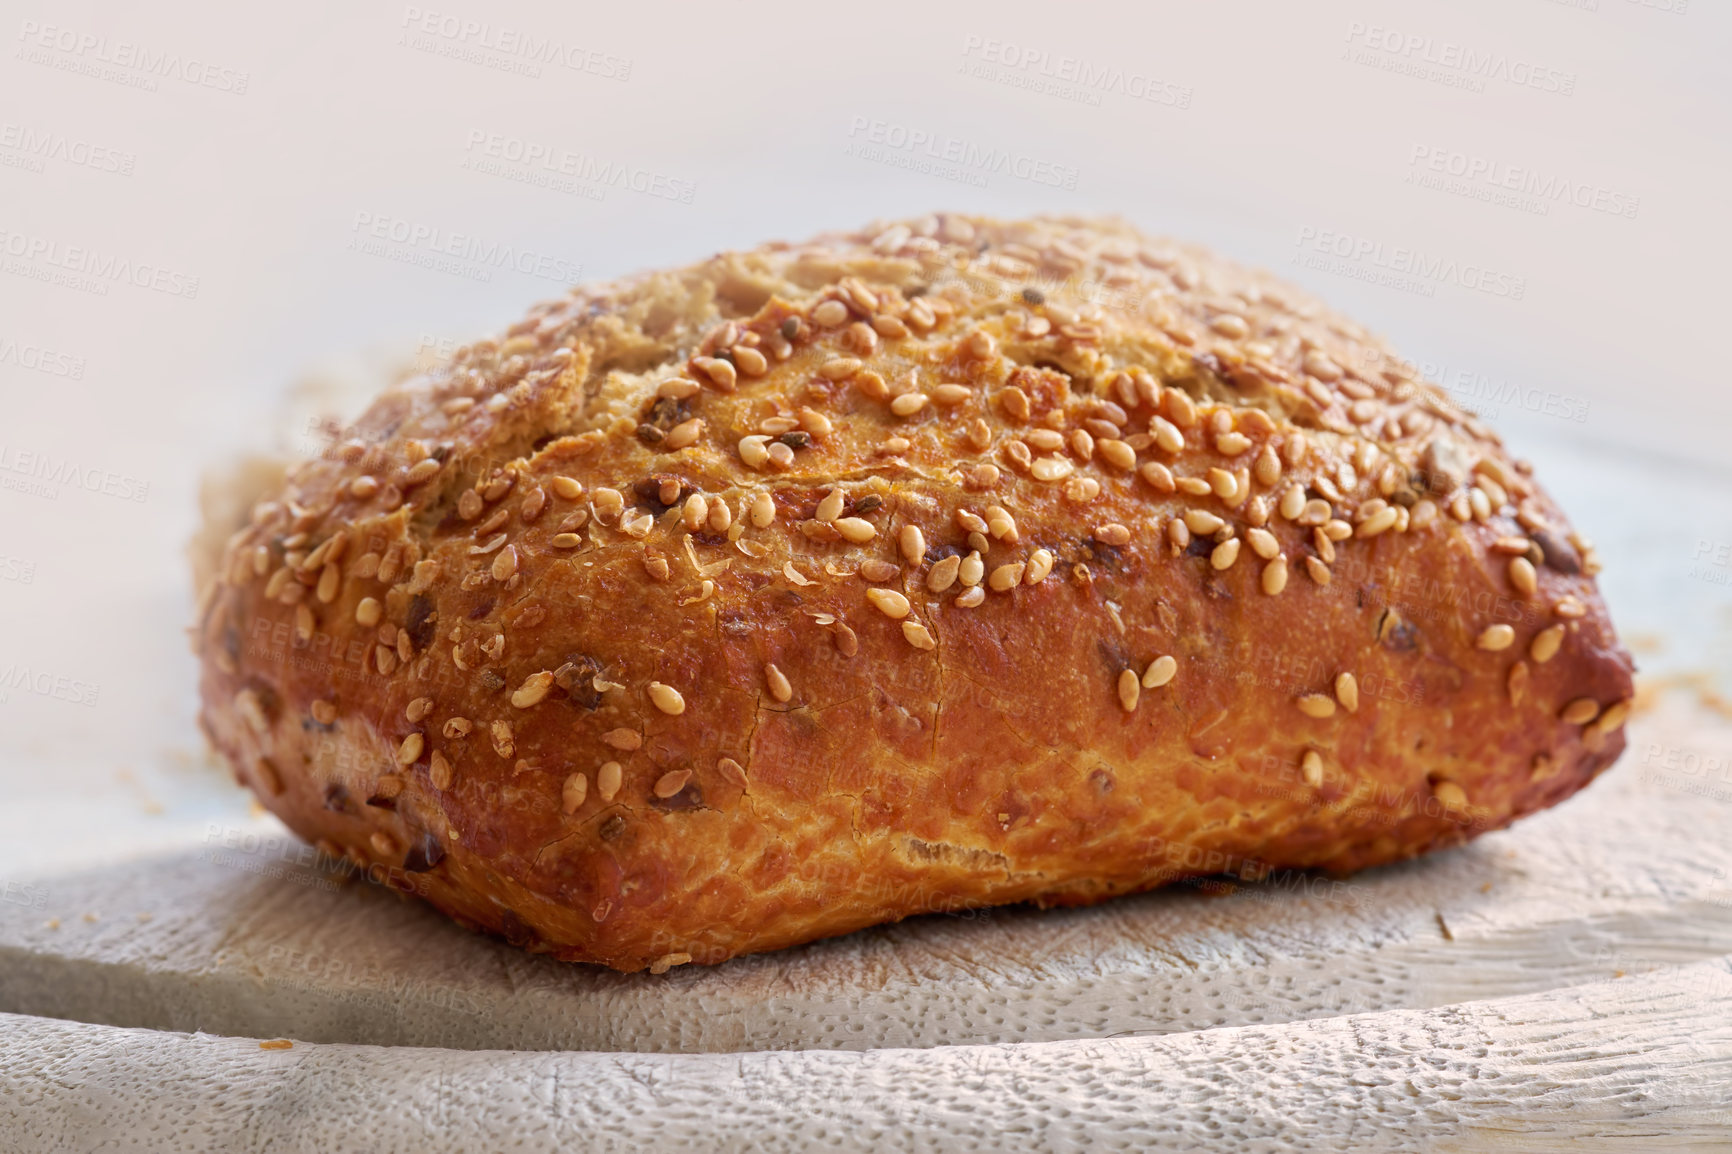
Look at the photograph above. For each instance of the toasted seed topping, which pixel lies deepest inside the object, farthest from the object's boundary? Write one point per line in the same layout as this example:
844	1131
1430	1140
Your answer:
1378	522
1311	768
1570	608
1517	682
1006	577
1160	671
1580	711
829	314
1130	690
877	570
418	709
1275	576
368	612
917	635
856	530
1202	523
889	602
1224	554
1450	794
778	683
1347	691
625	740
943	574
970	597
667	699
566	488
608	779
504	744
1040	564
324	712
972	569
574	792
1317	705
439	771
534	689
1546	644
1113	534
1523	576
409	752
382	843
1263	543
670	783
763	510
1496	637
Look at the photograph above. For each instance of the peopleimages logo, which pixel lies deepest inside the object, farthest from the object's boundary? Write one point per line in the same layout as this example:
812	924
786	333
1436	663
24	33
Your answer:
532	162
41	360
1415	54
1356	256
1518	186
462	254
502	46
951	157
1067	77
87	53
29	148
87	269
23	470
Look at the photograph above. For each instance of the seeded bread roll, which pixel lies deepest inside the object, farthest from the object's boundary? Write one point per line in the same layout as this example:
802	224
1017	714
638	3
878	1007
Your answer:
942	564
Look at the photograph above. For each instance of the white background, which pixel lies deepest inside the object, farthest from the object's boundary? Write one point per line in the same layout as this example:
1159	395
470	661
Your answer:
1272	121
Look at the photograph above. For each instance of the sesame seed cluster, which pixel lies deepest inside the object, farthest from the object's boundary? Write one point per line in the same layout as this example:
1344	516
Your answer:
944	563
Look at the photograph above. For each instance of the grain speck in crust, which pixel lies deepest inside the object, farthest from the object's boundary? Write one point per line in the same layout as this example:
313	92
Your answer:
792	547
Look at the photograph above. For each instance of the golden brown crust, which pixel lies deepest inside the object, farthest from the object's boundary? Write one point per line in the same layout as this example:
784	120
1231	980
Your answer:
596	631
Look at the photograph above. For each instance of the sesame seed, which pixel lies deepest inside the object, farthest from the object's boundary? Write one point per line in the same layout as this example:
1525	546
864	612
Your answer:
667	699
1614	717
1339	530
1051	469
1570	608
1378	522
1275	576
1232	444
1039	566
608	779
952	395
889	602
364	487
1523	576
1202	523
970	597
503	743
1292	502
1317	705
1496	637
1517	682
750	361
1311	768
574	792
1194	486
418	709
781	455
754	450
917	635
625	740
972	569
1113	534
829	314
763	510
1180	408
1347	691
1316	511
1161	671
1158	475
677	388
912	543
566	541
666	786
1546	644
1167	436
1130	690
943	574
1267	468
439	771
878	571
533	690
368	611
505	564
856	530
1580	711
908	404
778	683
1450	794
814	422
410	750
721	374
325	712
683	434
1263	543
382	843
1224	554
1006	577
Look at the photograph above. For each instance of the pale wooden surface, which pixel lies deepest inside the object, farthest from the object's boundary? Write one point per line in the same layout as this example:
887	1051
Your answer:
1614	1066
1617	880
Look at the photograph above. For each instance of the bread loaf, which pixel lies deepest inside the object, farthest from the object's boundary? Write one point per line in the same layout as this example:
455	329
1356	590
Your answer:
946	563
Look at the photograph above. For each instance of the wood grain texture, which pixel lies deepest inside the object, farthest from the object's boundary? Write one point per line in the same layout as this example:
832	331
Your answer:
1641	1063
1620	880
